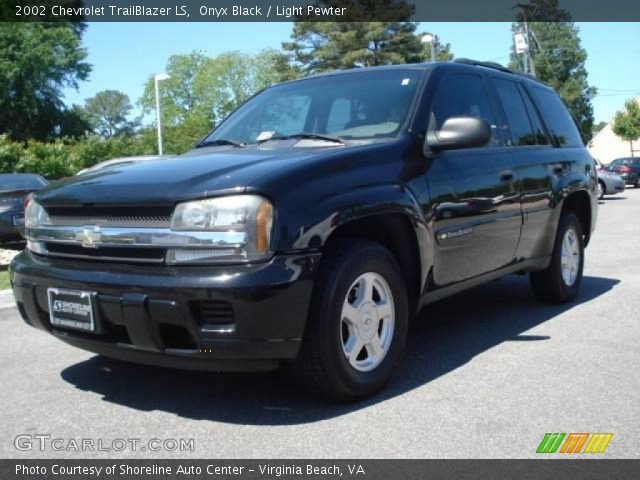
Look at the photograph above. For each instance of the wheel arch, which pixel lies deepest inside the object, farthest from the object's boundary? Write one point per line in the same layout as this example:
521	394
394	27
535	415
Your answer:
389	215
579	202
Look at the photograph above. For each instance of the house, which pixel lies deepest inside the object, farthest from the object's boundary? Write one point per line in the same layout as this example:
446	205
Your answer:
606	146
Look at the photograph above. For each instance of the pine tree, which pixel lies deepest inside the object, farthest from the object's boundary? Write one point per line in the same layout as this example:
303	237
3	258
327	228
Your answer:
360	41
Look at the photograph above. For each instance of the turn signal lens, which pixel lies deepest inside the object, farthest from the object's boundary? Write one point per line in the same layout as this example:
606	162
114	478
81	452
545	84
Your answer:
264	220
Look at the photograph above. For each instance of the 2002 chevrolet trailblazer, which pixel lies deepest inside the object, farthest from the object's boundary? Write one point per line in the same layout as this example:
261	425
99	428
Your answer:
313	223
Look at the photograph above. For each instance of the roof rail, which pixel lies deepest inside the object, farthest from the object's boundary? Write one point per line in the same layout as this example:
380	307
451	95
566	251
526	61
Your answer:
494	65
497	66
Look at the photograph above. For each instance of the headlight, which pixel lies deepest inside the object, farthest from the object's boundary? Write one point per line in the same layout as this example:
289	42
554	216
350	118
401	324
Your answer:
248	217
35	215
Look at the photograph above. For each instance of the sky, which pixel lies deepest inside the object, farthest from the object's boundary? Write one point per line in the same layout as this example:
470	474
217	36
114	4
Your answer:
124	55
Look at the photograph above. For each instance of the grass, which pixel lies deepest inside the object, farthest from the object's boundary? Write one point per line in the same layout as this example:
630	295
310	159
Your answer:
4	280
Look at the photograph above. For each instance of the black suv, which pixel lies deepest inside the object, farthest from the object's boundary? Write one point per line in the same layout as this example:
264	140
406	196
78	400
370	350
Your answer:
313	223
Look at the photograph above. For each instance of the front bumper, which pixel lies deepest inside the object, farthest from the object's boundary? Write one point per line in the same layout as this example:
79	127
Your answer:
243	317
8	228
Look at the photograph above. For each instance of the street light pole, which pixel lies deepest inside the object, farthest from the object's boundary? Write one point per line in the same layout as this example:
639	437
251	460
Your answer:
430	39
158	79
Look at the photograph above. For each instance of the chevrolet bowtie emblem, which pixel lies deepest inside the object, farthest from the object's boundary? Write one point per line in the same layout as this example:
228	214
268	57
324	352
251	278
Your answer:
89	236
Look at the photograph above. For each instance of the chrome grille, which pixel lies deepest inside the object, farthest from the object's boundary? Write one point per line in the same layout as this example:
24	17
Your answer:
143	217
111	221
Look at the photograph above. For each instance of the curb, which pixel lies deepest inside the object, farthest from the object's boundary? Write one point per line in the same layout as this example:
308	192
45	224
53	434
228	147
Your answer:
6	299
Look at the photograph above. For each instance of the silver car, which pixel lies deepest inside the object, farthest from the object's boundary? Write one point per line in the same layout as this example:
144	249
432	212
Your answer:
609	183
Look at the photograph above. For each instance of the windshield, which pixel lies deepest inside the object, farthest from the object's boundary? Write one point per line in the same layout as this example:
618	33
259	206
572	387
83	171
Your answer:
362	105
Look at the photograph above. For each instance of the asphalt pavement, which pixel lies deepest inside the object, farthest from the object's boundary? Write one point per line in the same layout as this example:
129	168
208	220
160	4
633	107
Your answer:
487	373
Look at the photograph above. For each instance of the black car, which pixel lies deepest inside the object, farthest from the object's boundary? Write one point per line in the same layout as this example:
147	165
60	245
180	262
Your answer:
14	188
628	168
314	222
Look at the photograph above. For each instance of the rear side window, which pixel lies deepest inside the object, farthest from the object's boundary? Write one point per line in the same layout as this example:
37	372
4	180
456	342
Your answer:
517	116
463	95
562	127
541	136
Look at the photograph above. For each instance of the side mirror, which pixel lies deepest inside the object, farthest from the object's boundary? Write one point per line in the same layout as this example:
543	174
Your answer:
459	132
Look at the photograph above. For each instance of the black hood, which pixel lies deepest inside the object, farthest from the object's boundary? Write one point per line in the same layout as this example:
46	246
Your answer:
199	173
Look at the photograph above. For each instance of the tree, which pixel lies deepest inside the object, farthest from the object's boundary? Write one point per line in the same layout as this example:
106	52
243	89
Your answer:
376	32
37	60
558	57
107	113
443	51
202	90
627	124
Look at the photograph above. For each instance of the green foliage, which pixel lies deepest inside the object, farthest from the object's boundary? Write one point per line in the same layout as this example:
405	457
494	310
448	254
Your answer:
51	160
559	58
443	51
10	153
626	124
377	32
4	281
107	113
65	157
202	90
37	60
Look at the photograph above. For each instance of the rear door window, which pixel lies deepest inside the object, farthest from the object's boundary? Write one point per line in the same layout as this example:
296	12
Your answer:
520	126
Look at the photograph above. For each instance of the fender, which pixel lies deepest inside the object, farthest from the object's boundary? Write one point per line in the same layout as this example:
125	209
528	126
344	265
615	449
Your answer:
330	213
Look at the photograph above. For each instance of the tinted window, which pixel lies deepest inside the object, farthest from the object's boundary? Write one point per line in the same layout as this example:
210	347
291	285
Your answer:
556	116
517	116
541	136
16	182
463	95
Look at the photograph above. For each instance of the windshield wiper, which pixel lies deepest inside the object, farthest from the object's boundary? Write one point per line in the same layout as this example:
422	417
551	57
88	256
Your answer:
303	135
219	141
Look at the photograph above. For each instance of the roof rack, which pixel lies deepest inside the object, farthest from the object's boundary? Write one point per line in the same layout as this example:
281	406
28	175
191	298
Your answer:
496	66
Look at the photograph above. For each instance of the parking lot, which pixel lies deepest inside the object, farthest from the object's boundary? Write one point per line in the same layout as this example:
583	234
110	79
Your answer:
487	374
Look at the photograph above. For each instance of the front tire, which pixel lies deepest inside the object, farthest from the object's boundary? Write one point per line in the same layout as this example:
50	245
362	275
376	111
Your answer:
602	189
560	282
357	326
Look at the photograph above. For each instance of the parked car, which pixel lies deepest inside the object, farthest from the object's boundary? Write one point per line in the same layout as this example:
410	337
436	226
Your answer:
118	162
307	228
14	188
627	168
609	183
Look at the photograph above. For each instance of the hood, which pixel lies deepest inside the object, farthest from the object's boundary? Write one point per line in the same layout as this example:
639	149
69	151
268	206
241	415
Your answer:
199	173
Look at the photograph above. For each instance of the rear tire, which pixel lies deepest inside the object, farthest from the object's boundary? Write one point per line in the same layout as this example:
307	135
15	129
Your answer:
602	189
357	326
560	282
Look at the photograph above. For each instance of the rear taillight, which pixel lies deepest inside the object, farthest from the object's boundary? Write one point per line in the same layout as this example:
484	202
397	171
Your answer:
624	169
26	200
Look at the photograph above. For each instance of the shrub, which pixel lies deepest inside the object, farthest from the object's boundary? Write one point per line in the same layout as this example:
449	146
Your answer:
65	157
10	153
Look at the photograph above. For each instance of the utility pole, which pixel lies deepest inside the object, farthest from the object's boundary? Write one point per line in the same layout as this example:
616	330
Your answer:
529	66
528	59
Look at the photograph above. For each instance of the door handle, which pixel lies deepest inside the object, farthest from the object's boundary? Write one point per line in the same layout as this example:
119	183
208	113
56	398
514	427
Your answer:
507	176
